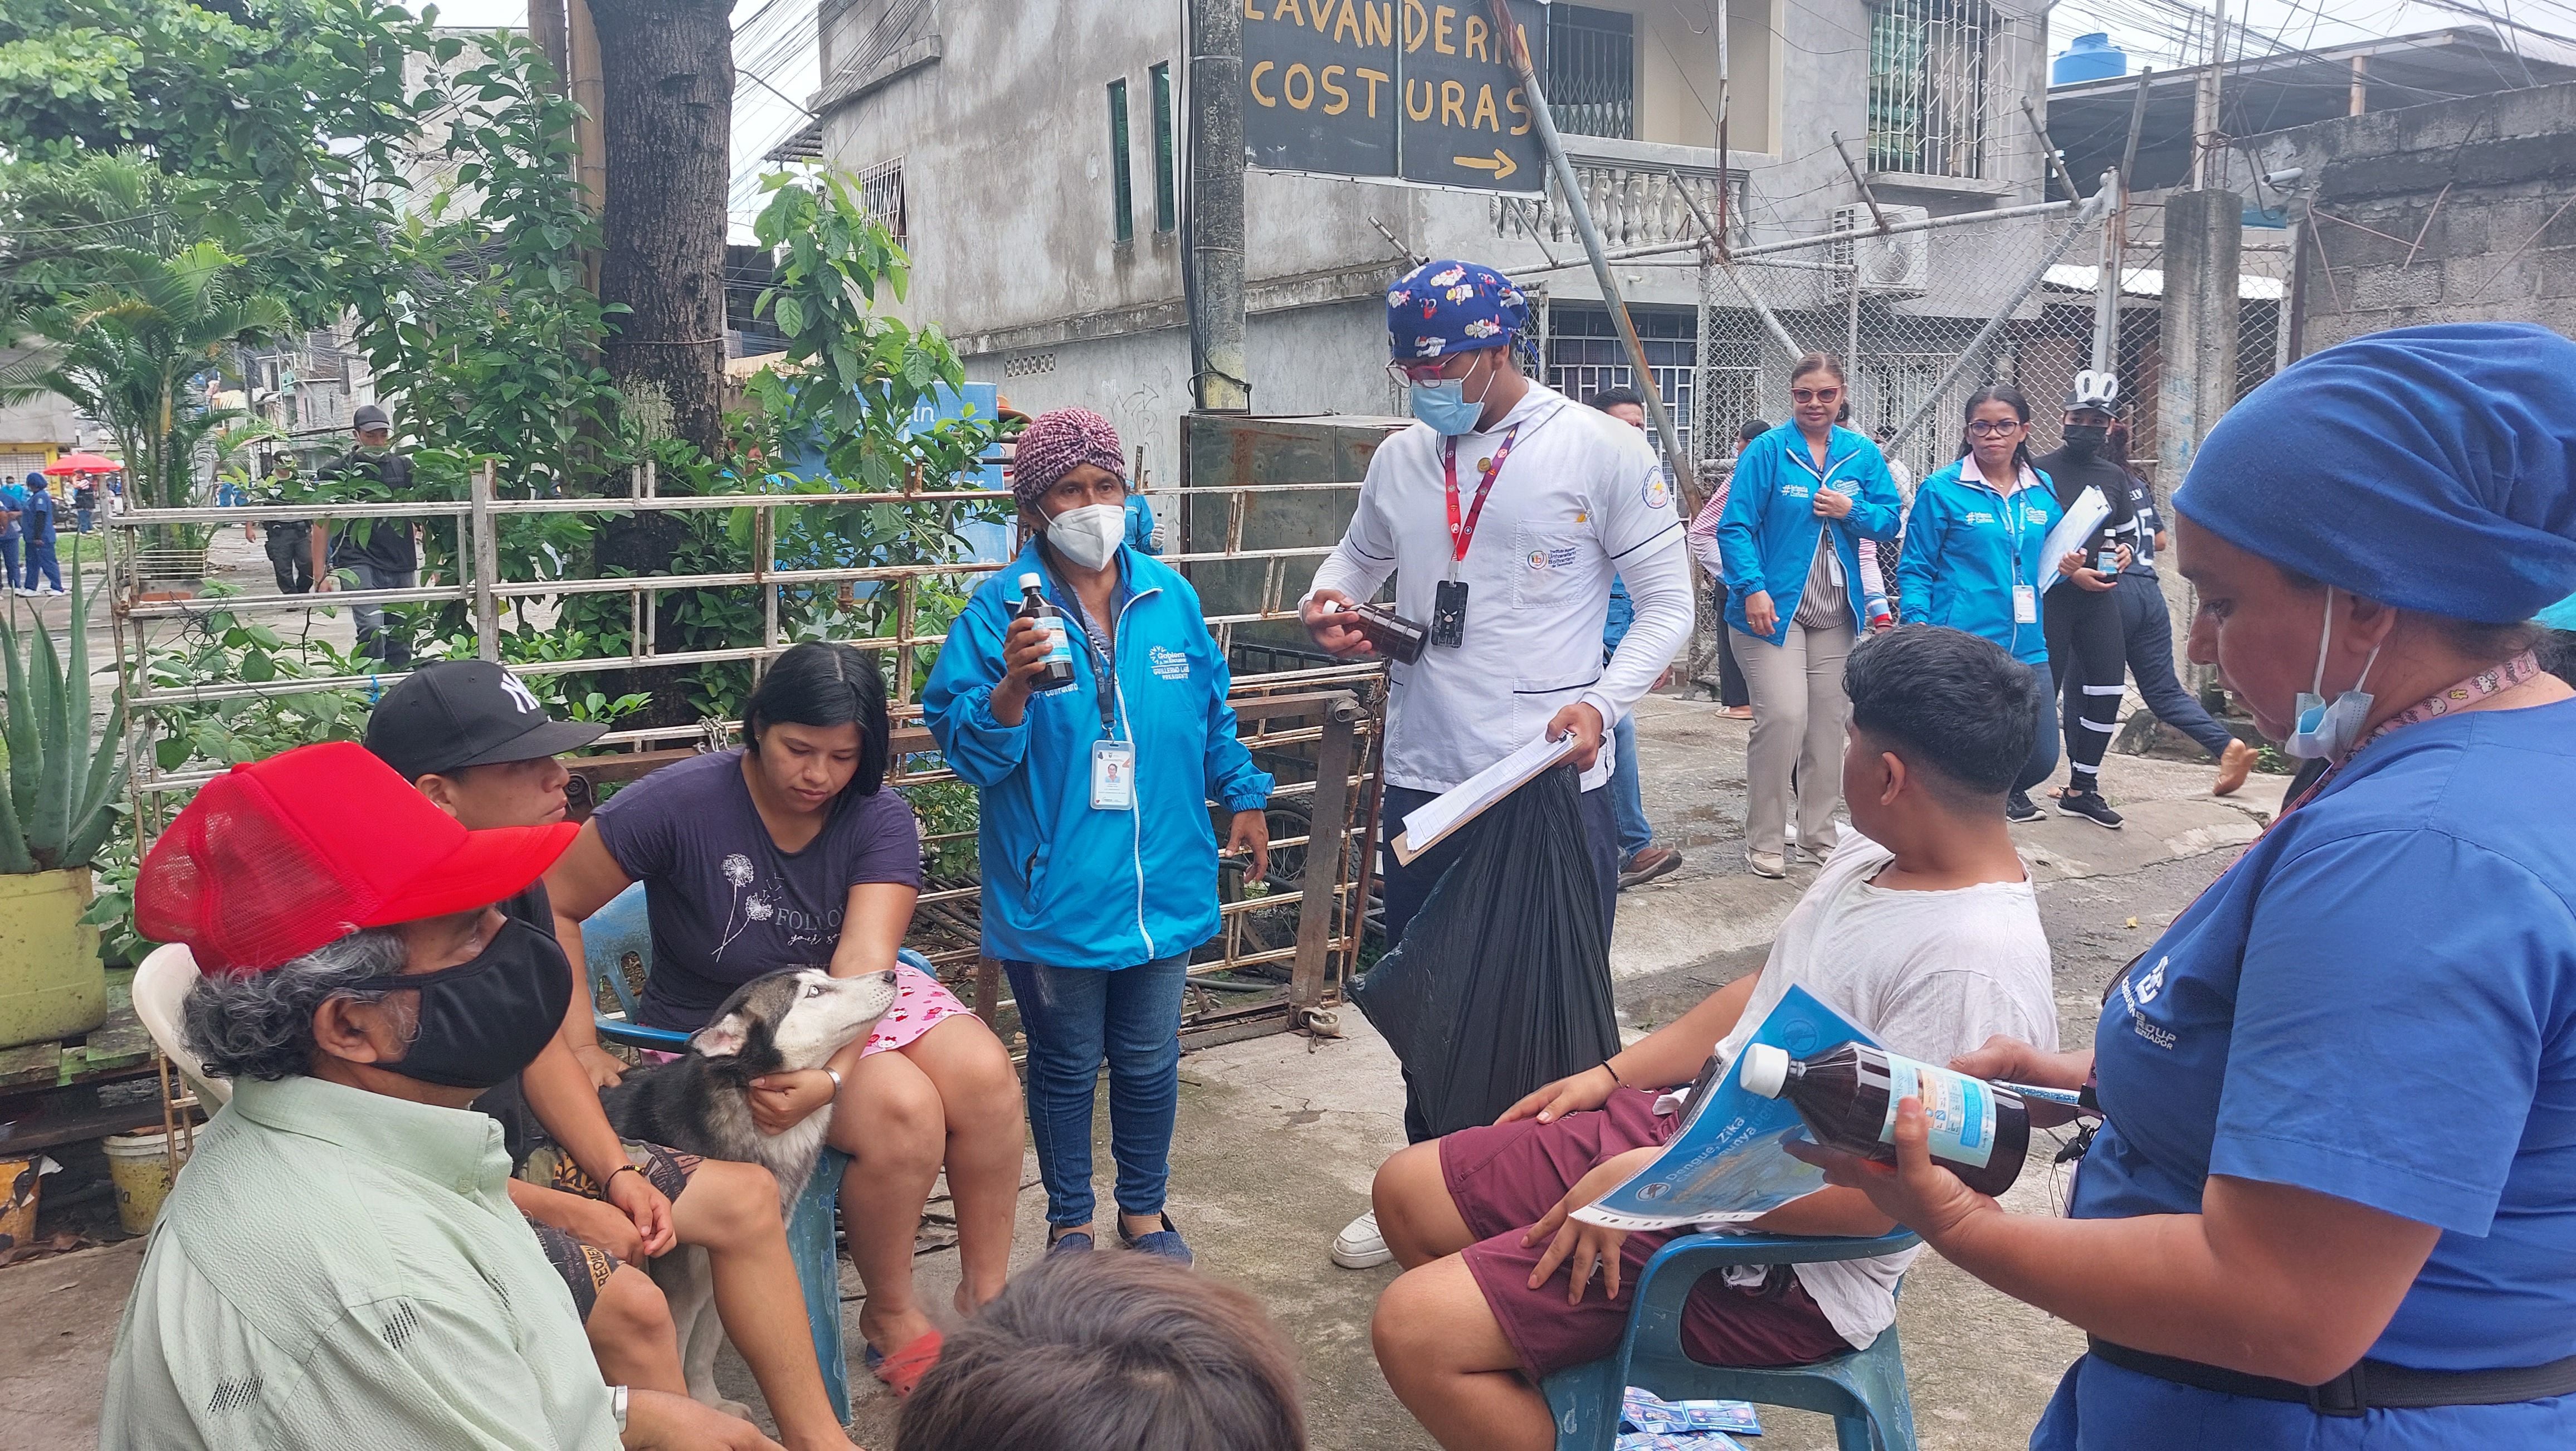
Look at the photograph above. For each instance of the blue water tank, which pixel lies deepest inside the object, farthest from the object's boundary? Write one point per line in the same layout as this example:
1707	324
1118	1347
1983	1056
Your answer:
2091	58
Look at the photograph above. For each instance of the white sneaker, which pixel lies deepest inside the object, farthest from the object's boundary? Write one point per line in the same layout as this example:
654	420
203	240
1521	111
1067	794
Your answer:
1359	1246
27	593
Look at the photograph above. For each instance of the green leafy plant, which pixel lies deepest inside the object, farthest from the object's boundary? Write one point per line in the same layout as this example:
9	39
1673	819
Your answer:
57	805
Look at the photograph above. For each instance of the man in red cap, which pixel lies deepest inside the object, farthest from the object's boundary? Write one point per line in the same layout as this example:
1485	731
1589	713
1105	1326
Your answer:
341	1264
481	748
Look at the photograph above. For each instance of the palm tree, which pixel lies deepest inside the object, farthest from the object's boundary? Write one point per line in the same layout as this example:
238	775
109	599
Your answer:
129	343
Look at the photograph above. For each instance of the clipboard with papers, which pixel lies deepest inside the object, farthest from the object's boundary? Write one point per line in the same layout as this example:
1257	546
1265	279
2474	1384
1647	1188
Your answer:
2082	517
1441	817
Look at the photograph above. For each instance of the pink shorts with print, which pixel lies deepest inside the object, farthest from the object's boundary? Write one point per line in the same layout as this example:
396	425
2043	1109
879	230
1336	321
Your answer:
920	1004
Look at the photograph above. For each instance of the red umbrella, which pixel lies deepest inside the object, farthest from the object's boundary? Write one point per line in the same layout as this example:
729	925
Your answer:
84	463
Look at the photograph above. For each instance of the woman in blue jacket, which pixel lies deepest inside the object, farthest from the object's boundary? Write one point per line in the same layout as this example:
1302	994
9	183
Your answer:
1099	859
1802	497
1972	557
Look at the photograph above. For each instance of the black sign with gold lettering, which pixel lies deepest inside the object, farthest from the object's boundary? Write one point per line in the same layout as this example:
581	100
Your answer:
1389	88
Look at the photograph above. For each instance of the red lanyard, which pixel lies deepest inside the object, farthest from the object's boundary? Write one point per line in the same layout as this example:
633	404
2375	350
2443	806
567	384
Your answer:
1461	534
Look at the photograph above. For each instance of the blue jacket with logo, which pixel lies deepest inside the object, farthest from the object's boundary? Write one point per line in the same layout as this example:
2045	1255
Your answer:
1064	884
1966	546
1767	534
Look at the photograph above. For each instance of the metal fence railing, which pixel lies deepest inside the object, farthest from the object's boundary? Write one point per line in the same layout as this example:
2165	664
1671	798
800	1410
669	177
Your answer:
1287	944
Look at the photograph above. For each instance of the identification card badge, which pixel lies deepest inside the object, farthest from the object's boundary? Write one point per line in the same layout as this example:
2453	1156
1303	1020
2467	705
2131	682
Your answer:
2025	605
1449	613
1113	775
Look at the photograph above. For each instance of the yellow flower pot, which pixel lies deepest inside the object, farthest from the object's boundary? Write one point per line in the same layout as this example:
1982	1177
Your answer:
52	984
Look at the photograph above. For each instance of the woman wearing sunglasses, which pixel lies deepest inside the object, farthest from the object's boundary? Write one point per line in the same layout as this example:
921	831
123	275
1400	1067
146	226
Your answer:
1804	495
1972	557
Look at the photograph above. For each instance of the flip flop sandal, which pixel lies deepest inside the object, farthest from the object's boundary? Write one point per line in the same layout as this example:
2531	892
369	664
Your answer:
904	1369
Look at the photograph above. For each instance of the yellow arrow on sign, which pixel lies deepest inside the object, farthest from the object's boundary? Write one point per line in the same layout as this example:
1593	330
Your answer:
1502	166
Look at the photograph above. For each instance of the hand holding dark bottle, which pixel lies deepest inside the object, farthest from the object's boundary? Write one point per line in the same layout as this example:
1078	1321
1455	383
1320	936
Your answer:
1916	1190
1024	658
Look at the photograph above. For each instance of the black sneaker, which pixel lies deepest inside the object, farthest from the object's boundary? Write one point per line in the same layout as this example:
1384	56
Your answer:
2017	807
2090	806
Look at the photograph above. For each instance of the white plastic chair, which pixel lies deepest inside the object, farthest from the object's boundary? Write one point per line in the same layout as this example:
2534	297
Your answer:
161	983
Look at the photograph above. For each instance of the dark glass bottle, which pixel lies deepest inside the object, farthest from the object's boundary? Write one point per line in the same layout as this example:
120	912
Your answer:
1847	1096
2106	551
1388	633
1059	663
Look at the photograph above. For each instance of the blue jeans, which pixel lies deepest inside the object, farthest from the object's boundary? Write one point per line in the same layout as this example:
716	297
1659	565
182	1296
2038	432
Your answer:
1075	1017
2146	626
2043	751
40	560
1635	835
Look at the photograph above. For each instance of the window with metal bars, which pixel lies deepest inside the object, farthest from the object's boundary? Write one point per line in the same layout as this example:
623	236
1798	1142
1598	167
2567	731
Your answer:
1122	182
1585	355
1167	210
881	195
1927	86
1592	70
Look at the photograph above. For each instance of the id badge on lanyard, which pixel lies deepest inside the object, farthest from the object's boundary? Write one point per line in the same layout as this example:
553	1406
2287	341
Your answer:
1113	775
2025	605
1449	596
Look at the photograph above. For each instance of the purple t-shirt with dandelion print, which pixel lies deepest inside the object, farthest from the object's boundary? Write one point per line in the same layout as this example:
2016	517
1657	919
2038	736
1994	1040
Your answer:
726	904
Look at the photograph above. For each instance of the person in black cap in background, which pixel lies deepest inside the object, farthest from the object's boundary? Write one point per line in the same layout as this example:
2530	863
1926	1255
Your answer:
2087	652
377	553
480	746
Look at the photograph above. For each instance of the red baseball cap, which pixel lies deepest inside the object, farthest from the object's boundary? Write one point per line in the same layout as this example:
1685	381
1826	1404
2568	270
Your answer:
278	857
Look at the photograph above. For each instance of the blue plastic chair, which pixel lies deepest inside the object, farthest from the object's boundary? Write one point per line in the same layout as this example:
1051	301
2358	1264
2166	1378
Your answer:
621	928
1864	1391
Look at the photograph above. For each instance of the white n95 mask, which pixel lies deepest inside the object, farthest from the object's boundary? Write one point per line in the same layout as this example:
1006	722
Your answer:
1089	536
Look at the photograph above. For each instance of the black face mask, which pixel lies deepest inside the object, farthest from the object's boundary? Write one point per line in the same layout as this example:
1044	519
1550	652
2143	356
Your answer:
483	1021
2085	438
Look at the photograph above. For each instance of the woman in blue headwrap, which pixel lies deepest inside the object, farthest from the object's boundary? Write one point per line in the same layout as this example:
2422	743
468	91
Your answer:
2332	1202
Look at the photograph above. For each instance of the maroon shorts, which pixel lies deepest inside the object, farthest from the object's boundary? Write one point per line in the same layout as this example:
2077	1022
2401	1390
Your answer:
1506	1177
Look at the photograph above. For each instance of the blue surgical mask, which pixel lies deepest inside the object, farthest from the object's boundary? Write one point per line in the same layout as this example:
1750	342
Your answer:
2323	730
1444	406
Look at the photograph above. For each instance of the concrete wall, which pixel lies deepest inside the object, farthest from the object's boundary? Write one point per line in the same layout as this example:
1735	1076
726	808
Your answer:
2477	188
1000	116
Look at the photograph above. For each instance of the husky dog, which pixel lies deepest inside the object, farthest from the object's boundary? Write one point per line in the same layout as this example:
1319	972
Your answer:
700	1103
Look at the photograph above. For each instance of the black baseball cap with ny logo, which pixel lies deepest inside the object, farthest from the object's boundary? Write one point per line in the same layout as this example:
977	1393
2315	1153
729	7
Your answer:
460	713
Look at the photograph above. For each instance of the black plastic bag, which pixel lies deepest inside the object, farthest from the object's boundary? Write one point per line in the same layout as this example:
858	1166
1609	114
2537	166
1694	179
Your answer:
1502	982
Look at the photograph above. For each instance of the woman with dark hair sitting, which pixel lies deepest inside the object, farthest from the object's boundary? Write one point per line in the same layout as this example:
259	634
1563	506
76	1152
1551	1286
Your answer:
790	850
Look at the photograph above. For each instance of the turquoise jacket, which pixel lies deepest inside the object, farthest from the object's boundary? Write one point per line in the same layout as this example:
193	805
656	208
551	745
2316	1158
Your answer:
1767	534
1966	546
1065	884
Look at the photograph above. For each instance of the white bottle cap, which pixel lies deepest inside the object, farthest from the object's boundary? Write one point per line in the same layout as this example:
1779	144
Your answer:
1028	581
1764	1070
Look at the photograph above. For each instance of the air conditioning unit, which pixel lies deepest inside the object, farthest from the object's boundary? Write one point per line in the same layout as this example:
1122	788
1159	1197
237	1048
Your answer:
1890	266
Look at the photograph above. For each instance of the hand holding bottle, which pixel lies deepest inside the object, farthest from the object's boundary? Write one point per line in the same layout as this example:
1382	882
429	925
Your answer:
1024	658
1915	1191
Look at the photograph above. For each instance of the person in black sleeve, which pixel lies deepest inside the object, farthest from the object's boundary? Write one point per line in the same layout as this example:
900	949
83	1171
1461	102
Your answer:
377	553
2087	655
2147	624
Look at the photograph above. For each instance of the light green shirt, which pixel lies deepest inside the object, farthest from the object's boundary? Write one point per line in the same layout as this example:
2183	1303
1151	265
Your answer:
335	1268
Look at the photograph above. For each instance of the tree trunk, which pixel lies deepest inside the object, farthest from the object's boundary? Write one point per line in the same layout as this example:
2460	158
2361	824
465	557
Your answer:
667	68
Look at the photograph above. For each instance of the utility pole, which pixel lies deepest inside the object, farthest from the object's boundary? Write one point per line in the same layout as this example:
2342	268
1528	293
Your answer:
1219	376
2204	106
1658	417
2106	292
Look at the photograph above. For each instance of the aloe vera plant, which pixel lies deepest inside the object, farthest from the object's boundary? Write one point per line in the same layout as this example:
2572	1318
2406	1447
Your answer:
58	802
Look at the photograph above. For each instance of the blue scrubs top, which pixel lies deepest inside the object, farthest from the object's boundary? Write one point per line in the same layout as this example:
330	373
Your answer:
2377	1002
